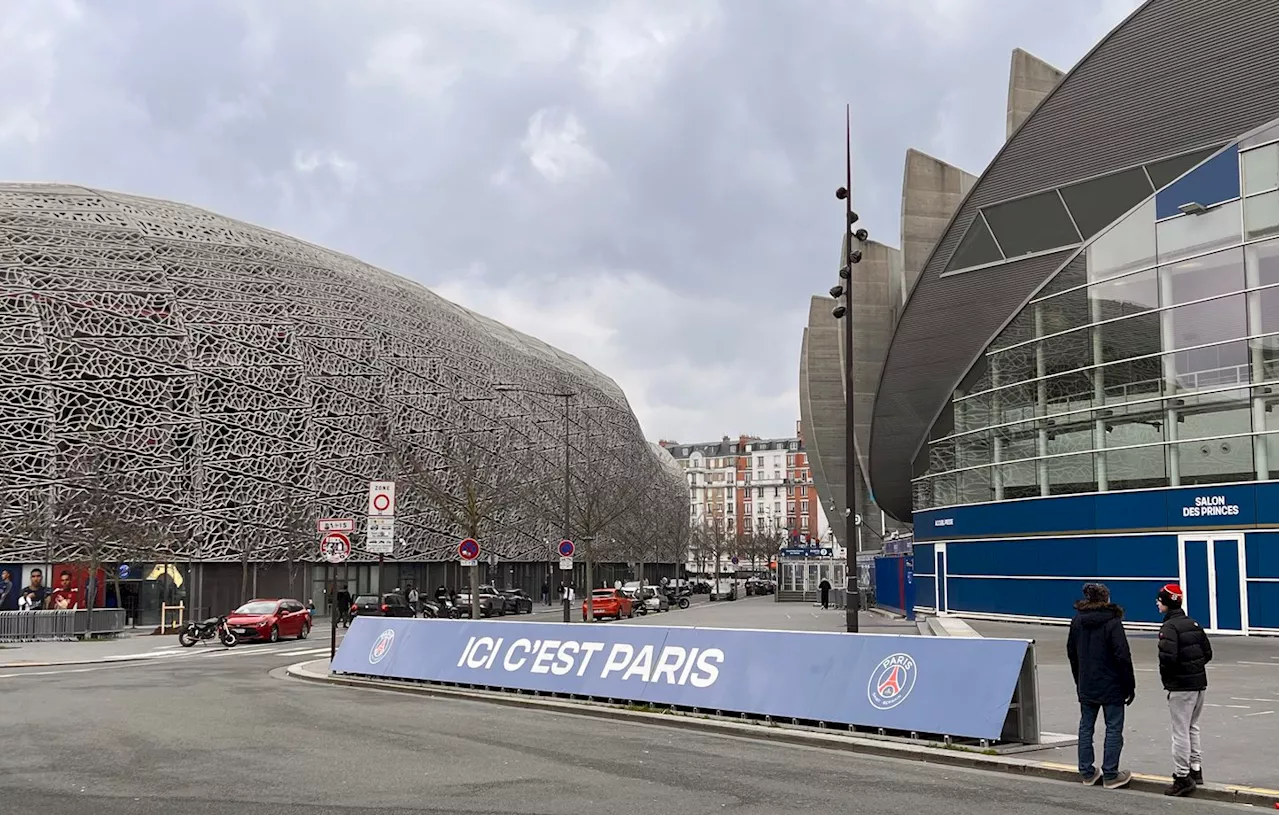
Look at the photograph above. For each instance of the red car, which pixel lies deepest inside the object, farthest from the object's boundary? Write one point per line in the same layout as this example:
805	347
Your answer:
609	603
269	620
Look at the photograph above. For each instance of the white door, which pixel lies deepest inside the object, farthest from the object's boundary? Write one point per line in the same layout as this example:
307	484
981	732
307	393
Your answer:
1211	570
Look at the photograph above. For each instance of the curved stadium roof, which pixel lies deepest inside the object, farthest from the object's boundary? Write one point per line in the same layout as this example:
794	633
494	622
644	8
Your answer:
1173	82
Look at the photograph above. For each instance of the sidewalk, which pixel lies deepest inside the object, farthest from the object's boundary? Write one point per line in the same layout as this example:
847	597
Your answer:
764	614
1239	720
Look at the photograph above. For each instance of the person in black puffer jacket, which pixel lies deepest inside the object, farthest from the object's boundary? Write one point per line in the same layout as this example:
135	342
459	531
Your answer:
1184	652
1102	667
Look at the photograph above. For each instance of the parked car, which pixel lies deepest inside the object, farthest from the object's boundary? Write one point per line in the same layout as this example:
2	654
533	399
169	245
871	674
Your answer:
609	603
759	585
488	606
655	600
518	601
269	620
724	590
386	605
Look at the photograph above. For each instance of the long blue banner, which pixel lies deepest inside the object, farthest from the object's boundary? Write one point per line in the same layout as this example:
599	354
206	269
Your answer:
957	687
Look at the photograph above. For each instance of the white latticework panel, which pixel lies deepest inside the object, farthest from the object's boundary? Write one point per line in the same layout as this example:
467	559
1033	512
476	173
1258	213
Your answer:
216	386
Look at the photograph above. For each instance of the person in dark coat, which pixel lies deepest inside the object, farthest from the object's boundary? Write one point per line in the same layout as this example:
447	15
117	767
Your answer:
343	607
824	589
1102	667
1184	651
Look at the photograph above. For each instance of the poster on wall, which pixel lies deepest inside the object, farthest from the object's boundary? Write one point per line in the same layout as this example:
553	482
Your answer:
10	585
71	587
35	586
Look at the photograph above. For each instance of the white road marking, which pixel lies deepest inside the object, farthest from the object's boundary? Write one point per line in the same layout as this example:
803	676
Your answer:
1245	699
1257	664
1261	713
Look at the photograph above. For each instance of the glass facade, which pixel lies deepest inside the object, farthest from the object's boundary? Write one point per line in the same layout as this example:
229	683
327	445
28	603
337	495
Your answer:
1148	360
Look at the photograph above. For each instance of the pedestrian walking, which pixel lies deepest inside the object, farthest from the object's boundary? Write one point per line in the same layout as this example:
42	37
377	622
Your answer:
824	591
1184	651
414	597
342	605
546	594
1102	666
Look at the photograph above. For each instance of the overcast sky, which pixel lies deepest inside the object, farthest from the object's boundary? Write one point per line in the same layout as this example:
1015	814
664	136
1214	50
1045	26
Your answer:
645	184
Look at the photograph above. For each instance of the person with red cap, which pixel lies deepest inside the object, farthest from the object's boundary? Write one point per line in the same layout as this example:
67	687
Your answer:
1184	651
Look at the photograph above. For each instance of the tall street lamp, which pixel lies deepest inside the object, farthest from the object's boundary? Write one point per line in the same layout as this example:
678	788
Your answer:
842	292
566	396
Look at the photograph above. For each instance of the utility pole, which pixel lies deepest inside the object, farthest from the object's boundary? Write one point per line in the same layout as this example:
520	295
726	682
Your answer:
850	257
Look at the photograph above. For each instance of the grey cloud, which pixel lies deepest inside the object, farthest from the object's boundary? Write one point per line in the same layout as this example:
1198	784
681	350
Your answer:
399	132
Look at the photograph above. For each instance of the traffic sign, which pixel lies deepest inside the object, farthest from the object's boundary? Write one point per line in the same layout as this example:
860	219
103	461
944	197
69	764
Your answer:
565	548
335	547
734	560
345	525
469	550
382	498
380	535
566	564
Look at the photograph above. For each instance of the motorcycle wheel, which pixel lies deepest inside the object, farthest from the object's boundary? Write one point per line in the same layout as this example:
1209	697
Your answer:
684	602
228	639
186	638
454	614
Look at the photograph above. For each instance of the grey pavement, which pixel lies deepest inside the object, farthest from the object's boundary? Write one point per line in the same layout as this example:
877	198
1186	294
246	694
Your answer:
223	736
1238	725
763	613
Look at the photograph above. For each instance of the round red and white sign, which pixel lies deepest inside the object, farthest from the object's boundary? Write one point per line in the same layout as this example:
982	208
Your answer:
382	502
335	547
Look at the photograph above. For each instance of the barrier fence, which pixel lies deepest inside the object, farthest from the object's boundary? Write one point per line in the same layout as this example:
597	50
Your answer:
41	626
980	689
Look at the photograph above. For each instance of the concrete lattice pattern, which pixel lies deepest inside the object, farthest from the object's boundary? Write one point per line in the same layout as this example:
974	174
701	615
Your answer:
239	383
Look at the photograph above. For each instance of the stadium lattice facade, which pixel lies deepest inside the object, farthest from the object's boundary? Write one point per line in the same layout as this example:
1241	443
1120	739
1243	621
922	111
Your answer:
221	386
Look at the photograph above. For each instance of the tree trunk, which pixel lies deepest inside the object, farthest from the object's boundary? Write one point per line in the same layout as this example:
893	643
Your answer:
244	576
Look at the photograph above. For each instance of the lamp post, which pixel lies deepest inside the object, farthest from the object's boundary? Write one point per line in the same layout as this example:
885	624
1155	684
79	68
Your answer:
842	292
566	396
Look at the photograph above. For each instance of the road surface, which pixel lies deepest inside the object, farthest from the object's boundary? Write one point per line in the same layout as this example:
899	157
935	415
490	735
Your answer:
220	733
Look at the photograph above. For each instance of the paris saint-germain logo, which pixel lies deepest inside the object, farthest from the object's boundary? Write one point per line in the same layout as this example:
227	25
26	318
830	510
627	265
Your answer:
891	682
381	646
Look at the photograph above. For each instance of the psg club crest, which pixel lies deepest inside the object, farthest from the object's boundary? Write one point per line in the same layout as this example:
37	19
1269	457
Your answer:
381	646
891	682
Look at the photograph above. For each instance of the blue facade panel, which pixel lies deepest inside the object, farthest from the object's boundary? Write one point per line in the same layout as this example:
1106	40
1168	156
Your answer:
1213	182
1005	558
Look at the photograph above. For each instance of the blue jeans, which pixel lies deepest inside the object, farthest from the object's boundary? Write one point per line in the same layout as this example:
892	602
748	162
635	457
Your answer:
1112	743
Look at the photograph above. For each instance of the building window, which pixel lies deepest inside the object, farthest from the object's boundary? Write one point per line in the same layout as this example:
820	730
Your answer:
977	247
1190	235
1032	224
759	461
1096	204
759	492
1260	169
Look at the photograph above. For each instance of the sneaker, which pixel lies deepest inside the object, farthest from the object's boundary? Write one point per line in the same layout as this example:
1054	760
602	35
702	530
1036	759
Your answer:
1092	780
1121	780
1197	777
1182	785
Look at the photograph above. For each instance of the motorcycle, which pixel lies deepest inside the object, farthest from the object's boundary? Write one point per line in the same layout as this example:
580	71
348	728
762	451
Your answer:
677	599
441	607
214	627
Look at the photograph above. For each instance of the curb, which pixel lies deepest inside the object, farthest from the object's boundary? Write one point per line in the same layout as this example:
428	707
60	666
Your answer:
954	757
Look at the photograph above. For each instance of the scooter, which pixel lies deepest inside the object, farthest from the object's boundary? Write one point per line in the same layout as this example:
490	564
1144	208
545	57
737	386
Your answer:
678	600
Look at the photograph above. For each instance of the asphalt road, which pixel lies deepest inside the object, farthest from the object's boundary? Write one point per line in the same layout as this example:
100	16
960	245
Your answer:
220	733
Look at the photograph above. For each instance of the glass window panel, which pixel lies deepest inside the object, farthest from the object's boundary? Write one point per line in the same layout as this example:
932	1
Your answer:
942	456
944	490
1122	296
1072	474
1212	367
1031	224
1073	274
922	494
1067	352
1021	329
1189	235
1261	137
1261	169
1064	312
976	248
1132	380
1214	181
1163	172
1018	449
1137	467
1017	403
1125	247
1015	364
1095	204
1213	414
1131	337
1069	392
1020	480
1266	256
1070	435
1220	461
1263	307
1262	215
1206	276
1212	321
974	486
973	413
1270	414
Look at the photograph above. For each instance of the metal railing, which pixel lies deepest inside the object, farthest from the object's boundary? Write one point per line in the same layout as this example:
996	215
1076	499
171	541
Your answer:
43	626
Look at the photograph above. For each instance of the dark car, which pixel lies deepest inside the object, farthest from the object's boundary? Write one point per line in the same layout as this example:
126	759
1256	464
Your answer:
388	605
488	607
518	601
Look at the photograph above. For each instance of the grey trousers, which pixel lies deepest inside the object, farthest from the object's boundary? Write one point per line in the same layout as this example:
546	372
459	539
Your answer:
1184	722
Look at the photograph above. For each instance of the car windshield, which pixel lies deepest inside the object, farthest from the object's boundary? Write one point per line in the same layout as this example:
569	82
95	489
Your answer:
258	607
365	599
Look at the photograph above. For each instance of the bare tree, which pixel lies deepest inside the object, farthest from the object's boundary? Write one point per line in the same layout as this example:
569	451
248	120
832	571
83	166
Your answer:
477	485
298	537
718	541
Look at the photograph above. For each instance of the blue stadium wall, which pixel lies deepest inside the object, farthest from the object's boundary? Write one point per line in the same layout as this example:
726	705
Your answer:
1027	559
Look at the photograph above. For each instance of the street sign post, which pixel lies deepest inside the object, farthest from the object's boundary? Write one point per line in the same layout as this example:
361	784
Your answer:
344	525
566	564
469	554
335	547
382	498
380	535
